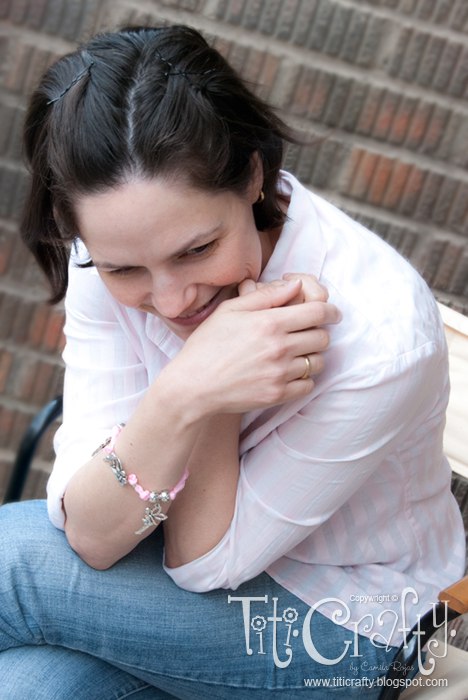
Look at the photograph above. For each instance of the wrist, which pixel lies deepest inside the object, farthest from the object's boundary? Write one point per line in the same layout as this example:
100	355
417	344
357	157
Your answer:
185	394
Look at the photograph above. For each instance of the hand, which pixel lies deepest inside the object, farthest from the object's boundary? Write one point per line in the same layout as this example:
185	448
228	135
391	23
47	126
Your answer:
250	353
310	289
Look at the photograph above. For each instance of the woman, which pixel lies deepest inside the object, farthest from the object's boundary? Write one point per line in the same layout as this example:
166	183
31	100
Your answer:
296	487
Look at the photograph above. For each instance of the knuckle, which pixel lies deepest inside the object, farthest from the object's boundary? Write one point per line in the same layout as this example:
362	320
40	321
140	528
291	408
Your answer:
323	338
274	394
319	364
319	313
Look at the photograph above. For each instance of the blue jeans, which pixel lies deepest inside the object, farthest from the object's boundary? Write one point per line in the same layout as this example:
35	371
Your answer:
67	630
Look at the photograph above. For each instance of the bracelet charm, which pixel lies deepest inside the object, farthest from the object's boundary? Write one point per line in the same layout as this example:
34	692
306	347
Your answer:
153	515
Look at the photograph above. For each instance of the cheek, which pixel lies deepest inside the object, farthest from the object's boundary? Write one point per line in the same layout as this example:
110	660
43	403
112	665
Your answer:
123	290
245	260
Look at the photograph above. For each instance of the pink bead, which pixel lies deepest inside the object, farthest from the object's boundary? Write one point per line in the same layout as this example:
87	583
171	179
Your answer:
143	493
132	479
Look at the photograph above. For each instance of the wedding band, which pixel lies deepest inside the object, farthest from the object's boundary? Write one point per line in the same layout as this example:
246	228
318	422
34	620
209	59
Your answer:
306	374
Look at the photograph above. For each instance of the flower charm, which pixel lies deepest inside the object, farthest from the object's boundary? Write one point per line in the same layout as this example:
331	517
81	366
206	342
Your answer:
258	623
290	616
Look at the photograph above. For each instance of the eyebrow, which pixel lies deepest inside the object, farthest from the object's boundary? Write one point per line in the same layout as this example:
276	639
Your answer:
198	239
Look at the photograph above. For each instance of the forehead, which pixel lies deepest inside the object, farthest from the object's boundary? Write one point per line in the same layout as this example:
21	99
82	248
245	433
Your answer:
140	216
142	205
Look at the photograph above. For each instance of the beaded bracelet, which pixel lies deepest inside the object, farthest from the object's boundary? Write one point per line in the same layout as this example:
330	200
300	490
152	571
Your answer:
153	515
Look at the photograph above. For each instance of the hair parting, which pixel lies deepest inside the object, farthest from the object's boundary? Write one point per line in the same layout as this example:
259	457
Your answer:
141	102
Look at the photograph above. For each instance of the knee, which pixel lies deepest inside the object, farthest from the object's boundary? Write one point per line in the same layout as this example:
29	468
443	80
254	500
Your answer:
25	526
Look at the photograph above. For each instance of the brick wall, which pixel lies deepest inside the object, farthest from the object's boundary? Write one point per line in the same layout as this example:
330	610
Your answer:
378	89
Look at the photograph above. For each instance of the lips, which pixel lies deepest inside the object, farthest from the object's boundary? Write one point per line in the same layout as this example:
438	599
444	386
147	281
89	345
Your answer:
200	314
198	311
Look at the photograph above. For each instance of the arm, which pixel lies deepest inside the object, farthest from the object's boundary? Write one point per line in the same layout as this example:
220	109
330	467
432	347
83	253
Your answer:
207	503
246	355
203	511
297	477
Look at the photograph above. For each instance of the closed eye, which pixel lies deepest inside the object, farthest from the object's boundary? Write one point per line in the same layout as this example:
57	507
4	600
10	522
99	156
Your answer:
199	250
122	271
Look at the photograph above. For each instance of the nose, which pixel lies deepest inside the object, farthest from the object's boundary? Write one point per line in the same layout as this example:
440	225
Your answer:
172	295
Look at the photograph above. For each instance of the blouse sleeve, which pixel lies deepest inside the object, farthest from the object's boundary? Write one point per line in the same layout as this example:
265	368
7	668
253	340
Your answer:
104	380
305	469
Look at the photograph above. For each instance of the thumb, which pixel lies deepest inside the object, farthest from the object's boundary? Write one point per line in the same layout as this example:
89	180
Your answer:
247	286
266	296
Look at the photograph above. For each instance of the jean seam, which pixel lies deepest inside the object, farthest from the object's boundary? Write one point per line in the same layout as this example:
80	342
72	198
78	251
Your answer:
135	691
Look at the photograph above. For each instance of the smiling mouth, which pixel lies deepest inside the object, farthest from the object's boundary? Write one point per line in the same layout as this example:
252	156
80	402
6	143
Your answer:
198	311
196	317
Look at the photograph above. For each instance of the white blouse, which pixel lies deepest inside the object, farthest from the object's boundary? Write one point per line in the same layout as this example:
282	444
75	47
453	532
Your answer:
343	496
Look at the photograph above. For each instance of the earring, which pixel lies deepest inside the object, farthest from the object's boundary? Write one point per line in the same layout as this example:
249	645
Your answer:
261	197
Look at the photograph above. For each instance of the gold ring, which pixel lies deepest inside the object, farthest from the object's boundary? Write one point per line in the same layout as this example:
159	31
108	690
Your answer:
306	374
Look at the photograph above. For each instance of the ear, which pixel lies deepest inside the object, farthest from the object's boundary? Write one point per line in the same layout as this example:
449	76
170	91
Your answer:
256	180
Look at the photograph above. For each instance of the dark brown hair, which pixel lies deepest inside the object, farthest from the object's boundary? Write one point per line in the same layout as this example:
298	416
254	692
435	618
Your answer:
148	102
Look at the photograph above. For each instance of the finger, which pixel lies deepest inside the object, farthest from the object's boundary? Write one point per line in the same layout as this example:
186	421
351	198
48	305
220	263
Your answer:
304	316
312	289
247	286
307	366
268	296
308	342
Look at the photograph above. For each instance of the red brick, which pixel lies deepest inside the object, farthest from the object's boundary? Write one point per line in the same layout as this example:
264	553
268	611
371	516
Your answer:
253	67
235	11
6	361
286	19
7	419
413	55
22	321
353	108
20	424
53	331
447	266
354	36
401	121
38	325
433	255
237	56
7	313
429	62
336	104
321	92
363	177
432	186
380	180
368	50
396	185
253	11
436	129
223	46
18	65
4	8
349	171
443	10
303	91
418	125
413	188
459	209
18	11
444	201
36	13
41	389
460	275
6	246
369	111
446	67
385	115
25	377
